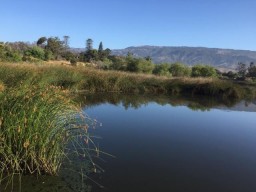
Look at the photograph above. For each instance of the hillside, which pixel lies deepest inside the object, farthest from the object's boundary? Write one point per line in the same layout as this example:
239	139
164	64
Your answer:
220	58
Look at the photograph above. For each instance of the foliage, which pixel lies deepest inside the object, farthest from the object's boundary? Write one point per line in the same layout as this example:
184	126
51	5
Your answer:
230	74
89	44
36	125
117	63
8	54
48	55
55	46
100	47
139	65
41	41
162	70
203	71
241	68
252	70
66	41
93	80
180	70
36	52
73	62
91	55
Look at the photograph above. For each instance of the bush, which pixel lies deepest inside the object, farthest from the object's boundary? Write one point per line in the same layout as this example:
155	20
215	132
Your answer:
35	52
180	70
162	70
73	62
203	71
7	54
139	65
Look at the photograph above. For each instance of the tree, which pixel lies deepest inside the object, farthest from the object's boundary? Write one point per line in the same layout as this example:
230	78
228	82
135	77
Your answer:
66	41
139	65
100	50
18	46
241	68
89	44
179	70
230	74
148	58
41	41
91	55
118	63
55	45
162	69
107	52
252	70
203	71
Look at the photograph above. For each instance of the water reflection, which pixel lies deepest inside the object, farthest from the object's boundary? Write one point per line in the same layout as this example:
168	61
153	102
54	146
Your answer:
159	141
175	144
71	178
194	103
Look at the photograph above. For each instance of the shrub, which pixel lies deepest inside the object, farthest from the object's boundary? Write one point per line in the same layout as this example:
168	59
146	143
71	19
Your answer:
180	70
36	52
203	71
162	70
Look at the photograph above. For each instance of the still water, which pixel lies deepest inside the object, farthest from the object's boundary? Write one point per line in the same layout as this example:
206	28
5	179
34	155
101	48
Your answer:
163	144
174	147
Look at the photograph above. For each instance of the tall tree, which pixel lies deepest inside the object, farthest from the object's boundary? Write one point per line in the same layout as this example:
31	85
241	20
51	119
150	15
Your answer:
241	68
252	70
100	50
41	41
55	45
89	44
66	41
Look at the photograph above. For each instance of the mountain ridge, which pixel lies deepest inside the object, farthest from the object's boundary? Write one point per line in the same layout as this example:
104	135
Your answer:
217	57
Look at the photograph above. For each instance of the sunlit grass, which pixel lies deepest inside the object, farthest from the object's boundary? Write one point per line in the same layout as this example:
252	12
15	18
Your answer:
94	80
36	125
38	119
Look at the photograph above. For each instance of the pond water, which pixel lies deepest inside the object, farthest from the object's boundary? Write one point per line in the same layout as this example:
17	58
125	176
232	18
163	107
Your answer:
165	144
175	145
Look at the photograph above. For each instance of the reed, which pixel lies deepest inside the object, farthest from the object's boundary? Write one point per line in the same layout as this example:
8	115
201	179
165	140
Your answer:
93	80
36	125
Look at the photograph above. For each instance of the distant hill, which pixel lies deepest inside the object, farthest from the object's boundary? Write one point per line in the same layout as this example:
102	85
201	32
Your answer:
219	58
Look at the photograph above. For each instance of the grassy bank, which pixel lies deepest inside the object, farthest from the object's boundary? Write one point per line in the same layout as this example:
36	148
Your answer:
37	122
93	80
38	117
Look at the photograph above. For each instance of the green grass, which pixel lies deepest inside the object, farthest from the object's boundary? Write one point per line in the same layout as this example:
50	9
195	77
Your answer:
36	125
93	80
38	118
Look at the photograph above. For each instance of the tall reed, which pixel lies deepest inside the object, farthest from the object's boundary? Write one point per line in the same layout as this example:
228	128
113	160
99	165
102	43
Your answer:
36	124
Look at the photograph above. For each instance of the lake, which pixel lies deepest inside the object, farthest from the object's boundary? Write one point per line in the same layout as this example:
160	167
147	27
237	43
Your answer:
175	146
165	144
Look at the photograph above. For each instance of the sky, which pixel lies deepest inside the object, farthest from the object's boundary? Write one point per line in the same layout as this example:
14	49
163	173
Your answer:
120	24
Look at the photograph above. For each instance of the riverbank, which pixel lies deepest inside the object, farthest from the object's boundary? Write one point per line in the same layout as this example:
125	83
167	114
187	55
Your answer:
93	80
37	123
38	112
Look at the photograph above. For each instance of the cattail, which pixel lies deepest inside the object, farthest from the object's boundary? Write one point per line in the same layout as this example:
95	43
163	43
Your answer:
19	129
26	144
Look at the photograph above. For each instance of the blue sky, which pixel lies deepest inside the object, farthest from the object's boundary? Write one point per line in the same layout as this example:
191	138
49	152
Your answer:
119	24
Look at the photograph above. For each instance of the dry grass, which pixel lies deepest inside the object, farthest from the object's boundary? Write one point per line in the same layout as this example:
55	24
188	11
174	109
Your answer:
2	87
95	80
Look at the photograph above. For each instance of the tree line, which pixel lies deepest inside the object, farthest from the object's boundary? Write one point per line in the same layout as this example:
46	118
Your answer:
51	48
54	48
